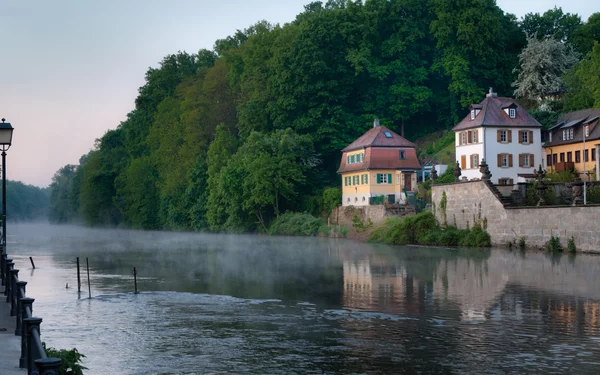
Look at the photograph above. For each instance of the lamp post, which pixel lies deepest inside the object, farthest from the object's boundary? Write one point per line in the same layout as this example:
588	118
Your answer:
6	131
585	153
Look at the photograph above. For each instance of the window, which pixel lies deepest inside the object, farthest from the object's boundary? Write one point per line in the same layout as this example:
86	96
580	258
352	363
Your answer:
474	161
569	157
585	155
504	160
468	137
463	138
363	199
550	137
512	112
549	160
525	137
475	132
356	158
504	136
505	181
571	133
402	155
587	131
364	179
384	178
355	180
562	157
554	160
564	135
348	200
593	154
472	114
388	134
577	156
526	160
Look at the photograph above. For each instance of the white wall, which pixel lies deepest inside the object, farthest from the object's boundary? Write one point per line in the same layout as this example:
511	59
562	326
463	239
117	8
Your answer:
468	150
493	148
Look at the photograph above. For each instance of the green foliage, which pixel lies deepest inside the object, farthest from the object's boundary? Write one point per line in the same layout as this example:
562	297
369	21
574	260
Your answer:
359	224
584	82
71	360
443	203
423	229
553	245
552	24
333	231
296	224
27	202
332	197
593	195
521	243
571	245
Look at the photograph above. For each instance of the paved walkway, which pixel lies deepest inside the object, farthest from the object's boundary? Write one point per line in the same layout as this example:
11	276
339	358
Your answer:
10	345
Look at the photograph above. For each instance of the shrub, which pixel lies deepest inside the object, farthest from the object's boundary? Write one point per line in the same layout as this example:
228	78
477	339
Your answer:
475	237
553	245
332	197
571	245
359	223
296	224
521	243
71	360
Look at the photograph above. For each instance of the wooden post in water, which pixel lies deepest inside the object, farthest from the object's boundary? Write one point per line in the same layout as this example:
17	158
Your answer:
88	272
135	279
32	264
78	277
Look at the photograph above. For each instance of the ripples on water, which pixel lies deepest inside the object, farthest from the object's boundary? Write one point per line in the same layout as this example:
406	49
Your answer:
215	304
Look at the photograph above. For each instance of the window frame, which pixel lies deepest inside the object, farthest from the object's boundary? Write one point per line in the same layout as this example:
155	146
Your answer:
504	134
512	112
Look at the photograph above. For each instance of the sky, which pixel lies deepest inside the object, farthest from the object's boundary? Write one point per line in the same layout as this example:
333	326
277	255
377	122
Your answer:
70	69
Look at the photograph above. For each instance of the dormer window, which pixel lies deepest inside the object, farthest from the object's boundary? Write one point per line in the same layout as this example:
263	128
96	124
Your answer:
387	134
512	112
402	155
472	114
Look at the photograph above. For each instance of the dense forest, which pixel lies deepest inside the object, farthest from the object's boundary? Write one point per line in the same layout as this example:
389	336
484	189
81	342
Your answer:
25	202
226	140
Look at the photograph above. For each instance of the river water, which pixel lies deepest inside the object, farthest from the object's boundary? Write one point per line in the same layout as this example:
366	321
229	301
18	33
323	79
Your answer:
244	304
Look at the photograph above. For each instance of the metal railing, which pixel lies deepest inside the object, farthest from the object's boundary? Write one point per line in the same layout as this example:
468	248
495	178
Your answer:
33	355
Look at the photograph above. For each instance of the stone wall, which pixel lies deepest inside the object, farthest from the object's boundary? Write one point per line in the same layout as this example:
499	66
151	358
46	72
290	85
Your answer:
470	202
377	213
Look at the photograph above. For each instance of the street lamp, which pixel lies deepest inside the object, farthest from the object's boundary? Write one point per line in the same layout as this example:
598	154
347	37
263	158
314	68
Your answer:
6	131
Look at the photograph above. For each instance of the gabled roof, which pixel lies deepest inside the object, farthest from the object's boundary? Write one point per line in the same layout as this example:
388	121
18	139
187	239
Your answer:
376	137
492	114
575	120
383	158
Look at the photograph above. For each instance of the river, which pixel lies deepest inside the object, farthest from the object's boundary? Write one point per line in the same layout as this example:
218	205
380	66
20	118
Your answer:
246	304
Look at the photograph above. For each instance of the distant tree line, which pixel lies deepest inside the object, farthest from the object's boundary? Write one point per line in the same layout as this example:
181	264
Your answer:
226	140
25	202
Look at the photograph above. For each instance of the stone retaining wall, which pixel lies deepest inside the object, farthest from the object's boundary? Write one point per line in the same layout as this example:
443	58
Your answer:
377	213
470	202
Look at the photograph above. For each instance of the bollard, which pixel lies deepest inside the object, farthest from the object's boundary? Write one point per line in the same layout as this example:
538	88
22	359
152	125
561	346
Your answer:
14	276
26	304
31	324
9	262
20	292
135	280
32	264
78	277
48	366
87	263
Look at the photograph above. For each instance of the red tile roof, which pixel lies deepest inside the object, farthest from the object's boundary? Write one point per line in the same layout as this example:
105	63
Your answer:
492	114
383	158
376	137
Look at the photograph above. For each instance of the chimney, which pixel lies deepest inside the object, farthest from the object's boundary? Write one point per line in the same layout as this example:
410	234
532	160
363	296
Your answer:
376	123
491	94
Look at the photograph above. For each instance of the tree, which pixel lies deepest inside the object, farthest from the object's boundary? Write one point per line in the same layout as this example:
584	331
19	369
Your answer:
552	24
60	207
584	83
542	65
587	34
137	196
332	197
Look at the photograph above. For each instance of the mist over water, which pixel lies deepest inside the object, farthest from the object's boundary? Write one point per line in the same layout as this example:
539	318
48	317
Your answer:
247	304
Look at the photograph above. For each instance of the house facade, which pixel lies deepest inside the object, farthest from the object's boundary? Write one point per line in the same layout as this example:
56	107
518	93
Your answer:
564	148
504	134
379	166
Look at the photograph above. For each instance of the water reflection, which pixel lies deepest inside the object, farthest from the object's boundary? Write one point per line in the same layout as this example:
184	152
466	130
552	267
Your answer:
251	304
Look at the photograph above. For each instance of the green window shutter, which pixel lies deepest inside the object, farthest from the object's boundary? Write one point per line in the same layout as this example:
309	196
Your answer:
378	178
389	178
367	179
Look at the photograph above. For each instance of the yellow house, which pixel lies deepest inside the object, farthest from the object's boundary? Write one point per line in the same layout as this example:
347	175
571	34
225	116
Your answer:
379	166
564	147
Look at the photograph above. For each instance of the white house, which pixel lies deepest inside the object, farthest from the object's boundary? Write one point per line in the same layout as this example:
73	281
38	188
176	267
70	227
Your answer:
504	134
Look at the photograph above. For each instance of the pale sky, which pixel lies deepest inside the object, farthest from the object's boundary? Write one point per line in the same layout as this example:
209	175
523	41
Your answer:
70	69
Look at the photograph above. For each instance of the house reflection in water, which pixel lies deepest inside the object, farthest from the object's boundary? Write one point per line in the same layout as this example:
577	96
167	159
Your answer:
476	289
